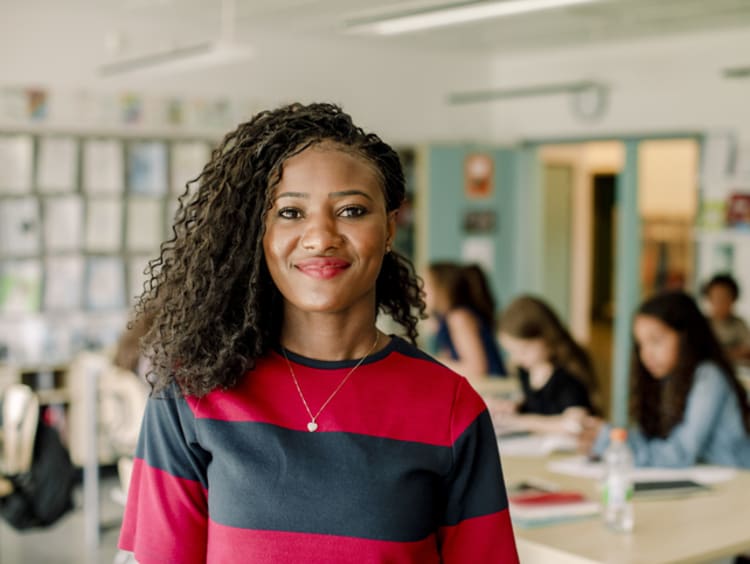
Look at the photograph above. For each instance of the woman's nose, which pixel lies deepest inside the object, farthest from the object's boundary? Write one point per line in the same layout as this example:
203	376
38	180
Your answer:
321	233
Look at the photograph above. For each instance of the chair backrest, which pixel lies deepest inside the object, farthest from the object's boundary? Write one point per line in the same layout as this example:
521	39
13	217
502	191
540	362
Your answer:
20	417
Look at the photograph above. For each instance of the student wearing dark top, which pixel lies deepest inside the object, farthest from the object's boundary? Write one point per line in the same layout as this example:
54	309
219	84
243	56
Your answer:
460	300
556	374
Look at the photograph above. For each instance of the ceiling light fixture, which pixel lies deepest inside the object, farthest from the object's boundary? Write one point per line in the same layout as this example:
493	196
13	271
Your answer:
194	56
452	14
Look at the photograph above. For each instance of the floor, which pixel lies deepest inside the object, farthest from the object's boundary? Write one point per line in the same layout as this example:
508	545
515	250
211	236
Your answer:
63	543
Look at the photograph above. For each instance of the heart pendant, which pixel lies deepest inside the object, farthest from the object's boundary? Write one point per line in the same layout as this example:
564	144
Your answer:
312	426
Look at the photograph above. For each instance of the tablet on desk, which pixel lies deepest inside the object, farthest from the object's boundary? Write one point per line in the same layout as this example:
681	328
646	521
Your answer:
669	488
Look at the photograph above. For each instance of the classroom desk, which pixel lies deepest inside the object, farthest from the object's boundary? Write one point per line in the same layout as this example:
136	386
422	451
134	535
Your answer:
691	529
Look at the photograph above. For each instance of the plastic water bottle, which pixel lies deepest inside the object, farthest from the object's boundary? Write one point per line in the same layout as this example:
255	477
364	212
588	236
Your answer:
618	483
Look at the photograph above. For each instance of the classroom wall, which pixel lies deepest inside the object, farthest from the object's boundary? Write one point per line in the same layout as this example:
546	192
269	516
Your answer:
398	92
448	204
656	85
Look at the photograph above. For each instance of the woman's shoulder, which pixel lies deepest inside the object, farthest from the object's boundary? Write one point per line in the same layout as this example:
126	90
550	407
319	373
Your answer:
709	374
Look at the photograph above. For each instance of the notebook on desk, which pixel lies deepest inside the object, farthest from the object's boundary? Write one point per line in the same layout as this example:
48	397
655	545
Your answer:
669	488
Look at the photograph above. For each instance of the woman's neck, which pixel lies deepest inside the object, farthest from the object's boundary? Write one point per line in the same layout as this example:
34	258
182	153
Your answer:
329	337
539	374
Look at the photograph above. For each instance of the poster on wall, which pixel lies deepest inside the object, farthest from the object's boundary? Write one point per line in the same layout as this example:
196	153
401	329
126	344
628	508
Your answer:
478	172
105	280
477	222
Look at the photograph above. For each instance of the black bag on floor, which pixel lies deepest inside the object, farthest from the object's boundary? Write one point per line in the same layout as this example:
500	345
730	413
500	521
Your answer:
43	494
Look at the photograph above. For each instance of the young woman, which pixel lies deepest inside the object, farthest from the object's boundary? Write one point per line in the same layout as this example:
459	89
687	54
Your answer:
460	300
686	399
284	427
556	374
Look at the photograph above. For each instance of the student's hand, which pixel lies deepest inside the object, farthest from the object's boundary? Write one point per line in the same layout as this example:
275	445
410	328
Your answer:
590	427
500	407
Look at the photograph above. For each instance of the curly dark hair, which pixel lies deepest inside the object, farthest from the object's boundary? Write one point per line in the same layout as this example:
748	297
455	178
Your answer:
215	307
659	404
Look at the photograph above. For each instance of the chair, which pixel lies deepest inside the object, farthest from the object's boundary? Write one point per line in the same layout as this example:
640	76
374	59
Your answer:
19	414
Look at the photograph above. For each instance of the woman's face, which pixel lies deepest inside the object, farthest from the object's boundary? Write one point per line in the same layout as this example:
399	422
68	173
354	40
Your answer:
526	353
658	345
327	231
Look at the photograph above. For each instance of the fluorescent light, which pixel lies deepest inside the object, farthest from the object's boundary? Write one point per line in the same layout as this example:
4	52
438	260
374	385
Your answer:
453	15
188	58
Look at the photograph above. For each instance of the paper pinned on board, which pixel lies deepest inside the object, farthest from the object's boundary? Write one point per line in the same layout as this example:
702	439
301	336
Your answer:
16	157
582	467
104	225
144	224
63	282
147	168
57	168
105	280
102	166
63	221
188	160
19	227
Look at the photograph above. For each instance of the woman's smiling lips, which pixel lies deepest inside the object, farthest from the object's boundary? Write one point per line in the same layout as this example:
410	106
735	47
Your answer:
322	267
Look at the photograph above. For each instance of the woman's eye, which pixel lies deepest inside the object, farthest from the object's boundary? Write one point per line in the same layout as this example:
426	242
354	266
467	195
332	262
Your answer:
353	211
290	213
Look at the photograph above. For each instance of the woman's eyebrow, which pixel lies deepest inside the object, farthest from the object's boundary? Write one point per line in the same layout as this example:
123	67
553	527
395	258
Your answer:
349	193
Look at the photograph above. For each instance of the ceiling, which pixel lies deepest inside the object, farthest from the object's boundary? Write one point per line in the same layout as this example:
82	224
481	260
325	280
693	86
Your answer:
583	25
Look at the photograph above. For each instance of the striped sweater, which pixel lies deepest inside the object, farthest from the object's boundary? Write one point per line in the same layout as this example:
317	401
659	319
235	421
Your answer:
403	469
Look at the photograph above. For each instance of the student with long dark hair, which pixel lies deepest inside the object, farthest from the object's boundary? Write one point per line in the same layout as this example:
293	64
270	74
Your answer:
284	426
686	400
460	299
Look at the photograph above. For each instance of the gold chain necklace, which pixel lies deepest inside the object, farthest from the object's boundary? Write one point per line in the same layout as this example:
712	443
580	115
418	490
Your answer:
312	426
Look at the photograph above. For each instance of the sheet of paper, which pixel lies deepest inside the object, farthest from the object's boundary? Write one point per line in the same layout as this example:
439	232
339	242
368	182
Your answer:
536	444
63	282
102	166
703	474
136	276
16	158
20	286
19	226
145	227
63	223
57	168
105	280
104	225
147	168
188	160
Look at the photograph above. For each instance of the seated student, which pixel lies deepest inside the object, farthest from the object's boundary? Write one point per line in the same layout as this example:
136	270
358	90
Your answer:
686	399
721	293
460	299
556	374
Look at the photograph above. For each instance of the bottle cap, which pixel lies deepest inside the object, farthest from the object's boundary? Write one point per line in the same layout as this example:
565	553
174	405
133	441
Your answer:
618	434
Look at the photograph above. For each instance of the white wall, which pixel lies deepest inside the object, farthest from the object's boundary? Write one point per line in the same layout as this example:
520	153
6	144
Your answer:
657	85
397	92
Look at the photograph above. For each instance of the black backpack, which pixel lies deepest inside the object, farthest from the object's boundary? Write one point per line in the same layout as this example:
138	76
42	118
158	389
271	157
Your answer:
43	494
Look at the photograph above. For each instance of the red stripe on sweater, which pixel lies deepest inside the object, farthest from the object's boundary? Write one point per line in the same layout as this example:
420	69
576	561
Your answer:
165	518
438	403
230	545
488	539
